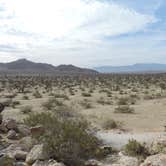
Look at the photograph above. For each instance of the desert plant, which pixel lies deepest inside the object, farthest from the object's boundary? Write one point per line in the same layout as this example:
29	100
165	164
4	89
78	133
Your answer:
25	97
86	104
68	141
136	149
111	124
85	94
124	109
26	109
37	94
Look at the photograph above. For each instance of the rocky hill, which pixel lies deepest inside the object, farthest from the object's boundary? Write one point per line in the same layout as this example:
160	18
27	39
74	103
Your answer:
24	65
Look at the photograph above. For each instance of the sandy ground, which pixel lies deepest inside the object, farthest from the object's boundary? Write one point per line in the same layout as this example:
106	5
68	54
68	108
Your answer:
145	125
119	140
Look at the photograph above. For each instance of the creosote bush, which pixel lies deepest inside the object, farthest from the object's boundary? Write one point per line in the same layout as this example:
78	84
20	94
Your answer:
136	149
111	124
68	141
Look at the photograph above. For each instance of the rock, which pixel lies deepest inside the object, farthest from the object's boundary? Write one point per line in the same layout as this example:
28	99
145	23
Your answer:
20	155
1	118
155	160
3	128
47	163
93	163
11	149
126	161
2	107
23	130
158	146
12	134
10	124
37	130
20	164
26	143
5	160
36	153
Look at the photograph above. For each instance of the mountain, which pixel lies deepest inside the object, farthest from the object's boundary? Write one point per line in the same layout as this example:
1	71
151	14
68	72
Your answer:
24	65
136	68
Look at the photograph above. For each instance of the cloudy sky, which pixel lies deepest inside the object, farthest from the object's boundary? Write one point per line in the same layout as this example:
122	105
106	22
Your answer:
83	32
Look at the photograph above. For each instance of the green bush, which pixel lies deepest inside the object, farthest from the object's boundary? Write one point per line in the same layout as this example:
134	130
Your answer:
136	149
68	141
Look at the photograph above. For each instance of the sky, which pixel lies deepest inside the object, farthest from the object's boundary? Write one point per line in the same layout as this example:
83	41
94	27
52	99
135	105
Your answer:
85	33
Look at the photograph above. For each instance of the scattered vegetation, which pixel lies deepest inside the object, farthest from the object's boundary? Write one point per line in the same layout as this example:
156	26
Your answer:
68	141
136	149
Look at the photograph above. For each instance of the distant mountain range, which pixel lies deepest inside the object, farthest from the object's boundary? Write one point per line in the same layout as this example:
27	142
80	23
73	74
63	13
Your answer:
136	68
24	65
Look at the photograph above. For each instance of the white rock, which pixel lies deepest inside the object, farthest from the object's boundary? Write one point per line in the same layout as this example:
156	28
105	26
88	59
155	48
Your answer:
155	160
36	153
47	163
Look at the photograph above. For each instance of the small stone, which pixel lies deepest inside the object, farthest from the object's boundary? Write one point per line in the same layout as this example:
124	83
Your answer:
155	160
10	124
93	163
23	130
36	153
20	155
12	134
47	163
3	128
5	160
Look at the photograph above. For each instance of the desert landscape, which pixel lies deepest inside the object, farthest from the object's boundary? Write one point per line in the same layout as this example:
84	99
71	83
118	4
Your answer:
82	83
112	119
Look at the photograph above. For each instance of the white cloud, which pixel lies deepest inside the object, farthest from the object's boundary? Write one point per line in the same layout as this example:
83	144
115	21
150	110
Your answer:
63	29
64	18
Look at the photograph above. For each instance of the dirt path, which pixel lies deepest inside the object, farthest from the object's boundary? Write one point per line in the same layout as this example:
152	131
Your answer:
119	140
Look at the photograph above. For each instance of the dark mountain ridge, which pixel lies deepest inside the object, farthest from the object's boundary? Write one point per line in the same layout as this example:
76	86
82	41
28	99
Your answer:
24	65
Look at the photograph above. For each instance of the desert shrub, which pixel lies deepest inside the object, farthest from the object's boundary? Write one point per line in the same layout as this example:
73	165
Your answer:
109	94
85	94
71	91
68	141
52	103
103	101
25	97
37	94
136	149
7	102
15	103
124	109
111	124
26	109
86	104
123	101
61	96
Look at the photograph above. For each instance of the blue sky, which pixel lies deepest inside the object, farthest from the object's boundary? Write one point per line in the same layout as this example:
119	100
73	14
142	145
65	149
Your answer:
85	33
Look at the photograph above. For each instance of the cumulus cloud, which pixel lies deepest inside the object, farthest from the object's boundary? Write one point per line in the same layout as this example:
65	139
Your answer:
67	31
